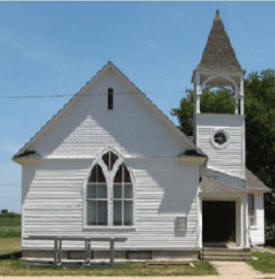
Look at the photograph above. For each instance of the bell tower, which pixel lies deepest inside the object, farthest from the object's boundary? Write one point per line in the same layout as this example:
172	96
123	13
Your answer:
220	136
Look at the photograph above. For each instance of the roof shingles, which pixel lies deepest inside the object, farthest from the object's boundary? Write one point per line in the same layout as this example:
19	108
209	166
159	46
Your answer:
254	183
218	53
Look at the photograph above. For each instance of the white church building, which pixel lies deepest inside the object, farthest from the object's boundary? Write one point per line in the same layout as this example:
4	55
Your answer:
110	163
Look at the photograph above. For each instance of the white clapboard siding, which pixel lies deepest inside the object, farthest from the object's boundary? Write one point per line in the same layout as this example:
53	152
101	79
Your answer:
134	127
230	159
256	232
53	204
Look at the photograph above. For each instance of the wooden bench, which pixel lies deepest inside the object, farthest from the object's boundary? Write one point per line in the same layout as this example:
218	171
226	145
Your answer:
87	246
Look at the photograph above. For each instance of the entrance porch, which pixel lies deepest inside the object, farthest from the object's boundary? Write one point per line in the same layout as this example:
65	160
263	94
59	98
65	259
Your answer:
223	213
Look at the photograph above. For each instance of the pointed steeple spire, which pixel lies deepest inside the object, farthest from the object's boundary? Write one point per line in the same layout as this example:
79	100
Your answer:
218	54
217	15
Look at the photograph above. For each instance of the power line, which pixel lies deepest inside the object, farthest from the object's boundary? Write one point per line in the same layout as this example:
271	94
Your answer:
80	95
35	96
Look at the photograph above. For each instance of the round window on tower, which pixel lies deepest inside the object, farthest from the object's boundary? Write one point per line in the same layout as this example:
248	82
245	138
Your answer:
220	138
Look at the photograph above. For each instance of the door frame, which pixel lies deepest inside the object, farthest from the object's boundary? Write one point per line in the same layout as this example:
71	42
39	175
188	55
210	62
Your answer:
237	201
214	213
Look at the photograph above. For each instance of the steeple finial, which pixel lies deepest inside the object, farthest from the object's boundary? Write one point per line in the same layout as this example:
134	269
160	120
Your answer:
217	17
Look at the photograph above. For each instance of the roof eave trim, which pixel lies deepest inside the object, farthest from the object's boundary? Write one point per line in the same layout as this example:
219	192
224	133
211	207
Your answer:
201	160
27	159
165	117
108	65
226	174
251	190
45	127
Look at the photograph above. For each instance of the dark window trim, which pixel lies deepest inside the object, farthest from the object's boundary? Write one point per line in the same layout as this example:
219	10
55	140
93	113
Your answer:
110	98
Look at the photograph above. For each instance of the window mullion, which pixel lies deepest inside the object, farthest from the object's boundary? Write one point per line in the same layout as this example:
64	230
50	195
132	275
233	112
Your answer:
109	200
96	203
96	194
122	197
96	206
122	211
109	161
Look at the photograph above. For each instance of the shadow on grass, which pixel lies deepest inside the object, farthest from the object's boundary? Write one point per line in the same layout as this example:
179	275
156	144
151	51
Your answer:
14	255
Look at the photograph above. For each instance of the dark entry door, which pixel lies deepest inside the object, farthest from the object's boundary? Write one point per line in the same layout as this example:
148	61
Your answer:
219	221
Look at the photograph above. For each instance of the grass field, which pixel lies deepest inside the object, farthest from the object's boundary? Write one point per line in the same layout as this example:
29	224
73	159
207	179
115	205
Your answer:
10	225
265	262
15	267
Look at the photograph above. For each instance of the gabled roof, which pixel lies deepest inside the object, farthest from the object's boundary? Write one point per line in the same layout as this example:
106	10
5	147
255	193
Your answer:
107	66
211	185
218	54
253	183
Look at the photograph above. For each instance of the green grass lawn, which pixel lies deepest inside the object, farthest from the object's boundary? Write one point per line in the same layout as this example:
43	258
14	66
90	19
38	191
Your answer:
10	231
15	267
10	225
265	262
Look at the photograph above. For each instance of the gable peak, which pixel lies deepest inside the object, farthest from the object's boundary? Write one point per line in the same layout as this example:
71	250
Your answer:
217	17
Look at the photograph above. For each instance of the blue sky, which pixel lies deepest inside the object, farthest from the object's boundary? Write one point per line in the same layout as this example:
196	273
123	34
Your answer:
56	47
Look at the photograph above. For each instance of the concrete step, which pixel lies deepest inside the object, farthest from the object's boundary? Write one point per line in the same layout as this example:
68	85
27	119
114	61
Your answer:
220	256
225	254
226	258
226	249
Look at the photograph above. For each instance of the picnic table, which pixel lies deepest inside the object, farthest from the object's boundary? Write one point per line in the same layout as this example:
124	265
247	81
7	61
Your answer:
87	246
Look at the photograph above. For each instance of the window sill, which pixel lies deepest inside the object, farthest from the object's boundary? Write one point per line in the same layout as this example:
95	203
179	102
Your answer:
109	228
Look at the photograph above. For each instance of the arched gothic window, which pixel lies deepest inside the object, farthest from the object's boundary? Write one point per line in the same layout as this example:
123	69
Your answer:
97	197
123	197
110	193
109	159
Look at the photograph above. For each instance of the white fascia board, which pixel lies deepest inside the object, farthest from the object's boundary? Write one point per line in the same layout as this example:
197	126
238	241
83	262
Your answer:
221	114
218	72
82	91
50	122
223	173
258	190
26	160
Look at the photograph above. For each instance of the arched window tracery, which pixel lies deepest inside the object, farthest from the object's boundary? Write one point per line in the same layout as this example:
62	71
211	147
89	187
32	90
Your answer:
109	193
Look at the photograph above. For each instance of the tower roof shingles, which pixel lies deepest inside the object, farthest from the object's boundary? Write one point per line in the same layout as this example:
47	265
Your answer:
218	53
